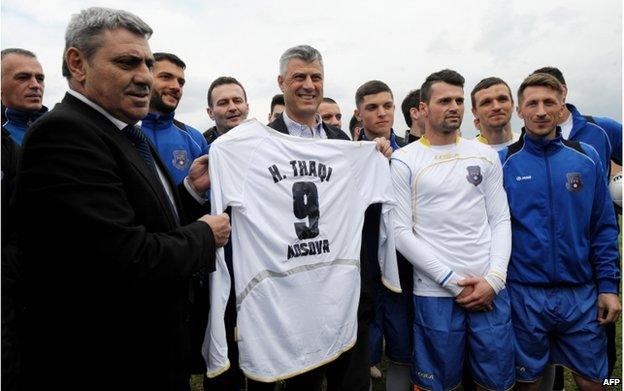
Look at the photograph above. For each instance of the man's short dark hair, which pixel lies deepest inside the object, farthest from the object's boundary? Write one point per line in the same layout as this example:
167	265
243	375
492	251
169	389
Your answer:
277	100
541	80
219	81
444	76
487	83
353	123
411	100
329	100
370	88
21	52
553	72
172	58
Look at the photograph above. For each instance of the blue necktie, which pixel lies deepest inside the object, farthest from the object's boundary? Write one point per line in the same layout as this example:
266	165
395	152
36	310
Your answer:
135	134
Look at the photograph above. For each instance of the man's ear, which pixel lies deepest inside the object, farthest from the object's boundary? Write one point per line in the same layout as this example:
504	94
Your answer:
422	108
280	82
76	63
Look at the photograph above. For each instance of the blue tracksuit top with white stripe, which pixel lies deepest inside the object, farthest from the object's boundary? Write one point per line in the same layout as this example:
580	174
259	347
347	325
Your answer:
564	230
614	131
177	144
592	134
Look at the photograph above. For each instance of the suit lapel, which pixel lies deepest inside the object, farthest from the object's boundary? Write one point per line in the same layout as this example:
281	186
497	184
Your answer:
279	125
129	152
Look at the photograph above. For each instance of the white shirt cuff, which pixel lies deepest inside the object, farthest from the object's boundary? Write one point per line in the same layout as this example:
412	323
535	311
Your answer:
192	192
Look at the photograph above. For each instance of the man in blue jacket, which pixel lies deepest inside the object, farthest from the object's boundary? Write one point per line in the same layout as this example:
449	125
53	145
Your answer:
564	259
589	129
22	91
177	144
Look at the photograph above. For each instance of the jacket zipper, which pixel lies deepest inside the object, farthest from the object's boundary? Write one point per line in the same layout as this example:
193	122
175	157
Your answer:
551	219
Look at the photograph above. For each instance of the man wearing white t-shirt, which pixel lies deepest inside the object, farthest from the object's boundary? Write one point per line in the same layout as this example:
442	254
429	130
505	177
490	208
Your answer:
452	223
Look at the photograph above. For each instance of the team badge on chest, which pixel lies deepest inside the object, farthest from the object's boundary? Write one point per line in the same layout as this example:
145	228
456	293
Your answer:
180	159
474	175
574	183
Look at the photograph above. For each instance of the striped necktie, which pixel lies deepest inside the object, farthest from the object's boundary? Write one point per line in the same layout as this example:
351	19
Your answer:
135	134
138	138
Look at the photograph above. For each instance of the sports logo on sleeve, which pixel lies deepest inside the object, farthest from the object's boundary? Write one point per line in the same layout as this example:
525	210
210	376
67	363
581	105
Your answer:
574	182
474	175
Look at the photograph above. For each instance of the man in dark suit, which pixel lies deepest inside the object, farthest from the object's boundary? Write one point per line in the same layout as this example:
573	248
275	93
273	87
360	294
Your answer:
109	242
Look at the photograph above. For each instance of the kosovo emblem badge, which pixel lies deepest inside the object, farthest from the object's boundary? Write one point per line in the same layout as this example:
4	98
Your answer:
180	159
574	182
474	175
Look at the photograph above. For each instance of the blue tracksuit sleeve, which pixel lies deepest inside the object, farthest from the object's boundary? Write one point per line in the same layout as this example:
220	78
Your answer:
603	254
614	131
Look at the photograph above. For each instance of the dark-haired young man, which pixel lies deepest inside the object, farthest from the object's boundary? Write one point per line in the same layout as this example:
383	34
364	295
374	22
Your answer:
452	223
393	311
563	275
492	106
227	106
277	107
413	118
177	144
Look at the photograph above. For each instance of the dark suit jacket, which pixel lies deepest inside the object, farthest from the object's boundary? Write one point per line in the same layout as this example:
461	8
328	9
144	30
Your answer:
107	266
331	131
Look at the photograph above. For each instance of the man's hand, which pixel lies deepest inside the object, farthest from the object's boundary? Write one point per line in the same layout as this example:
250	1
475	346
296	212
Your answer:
609	308
220	225
384	146
198	176
467	291
480	299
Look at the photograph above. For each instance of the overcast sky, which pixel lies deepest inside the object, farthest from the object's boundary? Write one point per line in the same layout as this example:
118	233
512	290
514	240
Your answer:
398	42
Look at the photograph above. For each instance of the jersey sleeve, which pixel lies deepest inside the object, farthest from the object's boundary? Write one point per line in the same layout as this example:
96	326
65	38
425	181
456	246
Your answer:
226	188
371	172
416	251
386	253
497	210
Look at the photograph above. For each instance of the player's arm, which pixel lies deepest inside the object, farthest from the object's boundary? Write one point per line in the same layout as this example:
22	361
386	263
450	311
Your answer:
417	252
603	254
497	209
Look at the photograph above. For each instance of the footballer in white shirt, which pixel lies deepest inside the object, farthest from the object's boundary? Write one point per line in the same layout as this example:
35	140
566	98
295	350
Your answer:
452	223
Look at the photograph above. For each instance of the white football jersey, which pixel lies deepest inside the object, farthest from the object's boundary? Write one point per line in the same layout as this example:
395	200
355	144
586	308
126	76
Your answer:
452	218
297	213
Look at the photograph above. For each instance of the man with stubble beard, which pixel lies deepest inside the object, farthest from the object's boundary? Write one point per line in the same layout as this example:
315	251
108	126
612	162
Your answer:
177	143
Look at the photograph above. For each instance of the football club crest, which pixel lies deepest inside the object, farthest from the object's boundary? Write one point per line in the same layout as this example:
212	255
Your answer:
474	175
574	182
180	159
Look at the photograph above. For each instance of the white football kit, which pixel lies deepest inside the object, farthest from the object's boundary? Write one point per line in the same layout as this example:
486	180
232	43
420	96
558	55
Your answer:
452	218
297	213
497	147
